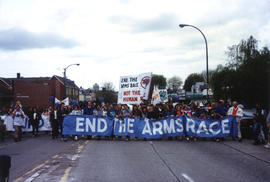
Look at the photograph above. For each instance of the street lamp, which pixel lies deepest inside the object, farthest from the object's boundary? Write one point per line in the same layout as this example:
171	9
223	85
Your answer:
207	75
65	77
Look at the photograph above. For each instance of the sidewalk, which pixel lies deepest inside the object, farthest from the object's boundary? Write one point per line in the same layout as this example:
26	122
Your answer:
247	147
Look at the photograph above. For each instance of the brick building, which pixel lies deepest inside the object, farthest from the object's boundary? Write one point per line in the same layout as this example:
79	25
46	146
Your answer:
6	94
36	91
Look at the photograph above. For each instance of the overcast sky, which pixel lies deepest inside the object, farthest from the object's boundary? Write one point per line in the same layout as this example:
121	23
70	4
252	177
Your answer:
113	38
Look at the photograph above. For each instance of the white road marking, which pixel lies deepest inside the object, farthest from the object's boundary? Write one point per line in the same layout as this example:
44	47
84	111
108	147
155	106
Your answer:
74	157
187	177
31	178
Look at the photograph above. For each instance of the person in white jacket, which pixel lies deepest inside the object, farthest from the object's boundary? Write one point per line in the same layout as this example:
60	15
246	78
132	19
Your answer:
18	122
237	112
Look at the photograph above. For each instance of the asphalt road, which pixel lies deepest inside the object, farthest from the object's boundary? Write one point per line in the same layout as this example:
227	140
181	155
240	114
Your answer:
167	161
42	159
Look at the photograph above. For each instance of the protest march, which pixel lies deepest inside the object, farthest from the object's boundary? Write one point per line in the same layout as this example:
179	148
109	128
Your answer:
135	116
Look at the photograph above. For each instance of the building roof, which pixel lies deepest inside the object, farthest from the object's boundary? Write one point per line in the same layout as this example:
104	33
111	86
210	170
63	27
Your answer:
86	91
28	79
8	81
68	81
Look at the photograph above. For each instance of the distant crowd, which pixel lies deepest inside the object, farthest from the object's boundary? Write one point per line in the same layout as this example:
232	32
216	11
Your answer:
212	111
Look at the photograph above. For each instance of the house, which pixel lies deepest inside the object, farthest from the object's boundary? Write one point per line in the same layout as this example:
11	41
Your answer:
87	95
58	88
36	91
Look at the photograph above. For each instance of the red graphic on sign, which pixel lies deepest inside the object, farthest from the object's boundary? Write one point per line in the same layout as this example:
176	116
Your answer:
145	81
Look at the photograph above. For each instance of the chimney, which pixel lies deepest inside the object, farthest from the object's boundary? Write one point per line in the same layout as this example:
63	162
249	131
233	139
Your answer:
18	75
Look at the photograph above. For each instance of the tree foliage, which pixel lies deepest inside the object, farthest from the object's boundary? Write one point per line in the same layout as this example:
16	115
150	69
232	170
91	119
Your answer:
107	92
109	96
159	81
192	79
108	86
244	77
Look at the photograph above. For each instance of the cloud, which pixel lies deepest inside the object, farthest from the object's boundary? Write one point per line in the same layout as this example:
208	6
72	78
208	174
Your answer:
19	39
164	22
62	15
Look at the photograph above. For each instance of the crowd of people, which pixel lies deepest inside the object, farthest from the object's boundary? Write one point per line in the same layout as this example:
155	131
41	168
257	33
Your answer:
212	111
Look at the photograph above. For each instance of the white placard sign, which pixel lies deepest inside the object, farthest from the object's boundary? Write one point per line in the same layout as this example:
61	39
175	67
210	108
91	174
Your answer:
159	96
134	88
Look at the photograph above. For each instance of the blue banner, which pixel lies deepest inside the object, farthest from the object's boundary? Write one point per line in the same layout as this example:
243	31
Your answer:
145	128
225	127
87	125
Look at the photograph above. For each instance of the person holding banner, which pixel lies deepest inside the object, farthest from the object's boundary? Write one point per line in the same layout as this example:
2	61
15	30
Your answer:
98	112
144	111
104	111
221	109
111	113
237	112
18	122
76	112
62	114
126	111
177	110
119	114
151	112
88	110
136	112
162	112
169	109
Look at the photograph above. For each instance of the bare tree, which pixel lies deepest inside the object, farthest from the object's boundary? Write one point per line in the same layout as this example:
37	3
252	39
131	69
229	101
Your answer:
174	83
108	86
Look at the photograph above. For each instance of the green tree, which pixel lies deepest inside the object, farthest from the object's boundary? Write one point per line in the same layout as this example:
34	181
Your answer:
244	78
108	95
159	81
222	81
107	92
192	79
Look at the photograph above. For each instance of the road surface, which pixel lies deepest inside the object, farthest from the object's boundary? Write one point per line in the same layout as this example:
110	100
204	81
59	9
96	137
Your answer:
43	159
